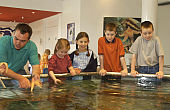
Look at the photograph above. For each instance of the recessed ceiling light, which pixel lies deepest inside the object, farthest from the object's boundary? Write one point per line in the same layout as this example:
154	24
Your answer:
0	13
33	12
22	17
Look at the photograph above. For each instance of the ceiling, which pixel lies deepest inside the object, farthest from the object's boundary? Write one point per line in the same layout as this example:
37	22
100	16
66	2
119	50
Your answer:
10	14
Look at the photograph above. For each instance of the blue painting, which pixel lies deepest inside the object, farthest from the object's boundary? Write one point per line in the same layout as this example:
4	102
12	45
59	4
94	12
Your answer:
6	31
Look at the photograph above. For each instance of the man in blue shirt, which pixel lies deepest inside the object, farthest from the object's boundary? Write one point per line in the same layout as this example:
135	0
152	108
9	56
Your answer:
16	51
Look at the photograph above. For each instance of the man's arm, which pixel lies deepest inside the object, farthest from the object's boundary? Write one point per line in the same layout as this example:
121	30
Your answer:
36	72
24	82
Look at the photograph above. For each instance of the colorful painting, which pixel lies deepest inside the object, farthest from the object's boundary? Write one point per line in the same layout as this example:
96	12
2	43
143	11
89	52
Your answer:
6	31
71	33
128	29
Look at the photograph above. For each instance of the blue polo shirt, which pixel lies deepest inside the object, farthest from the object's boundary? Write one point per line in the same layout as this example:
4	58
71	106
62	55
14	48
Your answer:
17	59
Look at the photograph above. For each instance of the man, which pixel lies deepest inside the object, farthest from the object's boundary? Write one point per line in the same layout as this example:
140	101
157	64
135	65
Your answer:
16	51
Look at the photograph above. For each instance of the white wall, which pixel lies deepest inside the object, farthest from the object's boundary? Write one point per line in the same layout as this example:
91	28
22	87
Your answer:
46	32
47	5
70	14
164	29
38	35
93	13
8	24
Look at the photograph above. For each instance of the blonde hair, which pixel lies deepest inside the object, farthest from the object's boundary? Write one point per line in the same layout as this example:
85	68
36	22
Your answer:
47	51
62	44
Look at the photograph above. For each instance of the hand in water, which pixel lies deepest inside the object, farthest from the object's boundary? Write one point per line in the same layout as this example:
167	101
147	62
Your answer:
36	82
57	81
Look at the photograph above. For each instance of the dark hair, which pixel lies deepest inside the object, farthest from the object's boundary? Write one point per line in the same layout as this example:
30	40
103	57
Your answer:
39	56
110	27
61	44
24	28
79	36
146	24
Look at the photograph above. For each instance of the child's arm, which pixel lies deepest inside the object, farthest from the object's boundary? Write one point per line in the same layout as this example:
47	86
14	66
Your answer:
72	70
161	63
133	63
102	71
124	72
56	81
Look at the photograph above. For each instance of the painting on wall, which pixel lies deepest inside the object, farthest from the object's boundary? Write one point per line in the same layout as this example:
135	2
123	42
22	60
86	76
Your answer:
6	31
128	29
71	32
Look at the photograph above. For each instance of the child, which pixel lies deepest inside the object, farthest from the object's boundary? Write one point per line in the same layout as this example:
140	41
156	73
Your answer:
111	52
28	67
44	61
147	52
83	58
60	61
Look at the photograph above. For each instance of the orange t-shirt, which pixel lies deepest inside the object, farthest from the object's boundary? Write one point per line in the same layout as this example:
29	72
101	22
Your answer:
112	53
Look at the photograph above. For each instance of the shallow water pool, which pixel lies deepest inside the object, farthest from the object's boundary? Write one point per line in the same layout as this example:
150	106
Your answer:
88	95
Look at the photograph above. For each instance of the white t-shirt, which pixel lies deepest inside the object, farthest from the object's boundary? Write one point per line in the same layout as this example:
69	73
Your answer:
147	51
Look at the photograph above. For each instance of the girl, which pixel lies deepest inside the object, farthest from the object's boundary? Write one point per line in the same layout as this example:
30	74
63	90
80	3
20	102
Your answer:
60	62
83	58
44	61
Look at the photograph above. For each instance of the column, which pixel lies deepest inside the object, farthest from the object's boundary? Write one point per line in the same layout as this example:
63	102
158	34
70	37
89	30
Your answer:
149	12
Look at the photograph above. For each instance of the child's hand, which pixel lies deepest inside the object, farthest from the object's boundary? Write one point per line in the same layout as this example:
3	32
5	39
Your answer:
72	72
77	70
3	68
102	72
124	72
134	73
57	81
160	74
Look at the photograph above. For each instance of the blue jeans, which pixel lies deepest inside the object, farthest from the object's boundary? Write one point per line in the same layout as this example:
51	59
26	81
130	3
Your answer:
148	69
45	71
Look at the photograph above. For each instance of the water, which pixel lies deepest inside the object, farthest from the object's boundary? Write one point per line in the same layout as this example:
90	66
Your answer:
88	95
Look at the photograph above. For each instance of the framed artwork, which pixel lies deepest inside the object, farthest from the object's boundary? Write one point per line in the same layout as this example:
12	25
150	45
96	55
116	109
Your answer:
128	29
71	32
6	31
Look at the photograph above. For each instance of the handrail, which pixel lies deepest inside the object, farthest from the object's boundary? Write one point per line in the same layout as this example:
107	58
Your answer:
91	73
